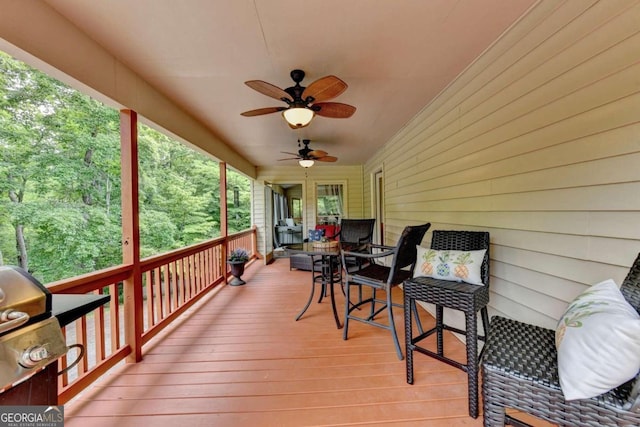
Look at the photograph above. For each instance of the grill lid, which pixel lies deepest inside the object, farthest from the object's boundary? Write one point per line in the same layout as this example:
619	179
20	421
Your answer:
23	299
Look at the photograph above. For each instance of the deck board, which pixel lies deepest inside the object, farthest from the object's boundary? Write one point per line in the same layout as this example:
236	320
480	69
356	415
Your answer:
239	358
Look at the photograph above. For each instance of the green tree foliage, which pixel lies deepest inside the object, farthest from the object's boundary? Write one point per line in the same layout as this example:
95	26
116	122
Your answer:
179	202
60	210
59	176
238	202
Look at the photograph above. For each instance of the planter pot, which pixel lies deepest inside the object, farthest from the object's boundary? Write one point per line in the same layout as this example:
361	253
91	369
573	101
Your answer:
237	270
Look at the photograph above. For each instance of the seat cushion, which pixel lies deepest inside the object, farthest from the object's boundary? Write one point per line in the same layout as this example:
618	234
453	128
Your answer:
376	275
300	262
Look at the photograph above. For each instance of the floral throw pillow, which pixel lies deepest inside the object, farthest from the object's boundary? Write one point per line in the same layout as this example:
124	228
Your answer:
598	342
459	266
315	235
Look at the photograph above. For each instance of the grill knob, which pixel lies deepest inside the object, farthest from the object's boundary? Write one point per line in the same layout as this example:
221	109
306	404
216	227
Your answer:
32	356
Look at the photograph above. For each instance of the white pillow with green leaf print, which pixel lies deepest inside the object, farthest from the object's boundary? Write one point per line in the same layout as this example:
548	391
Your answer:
459	266
598	342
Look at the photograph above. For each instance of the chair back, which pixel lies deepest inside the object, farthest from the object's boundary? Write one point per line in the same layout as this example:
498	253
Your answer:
631	285
405	250
458	240
630	288
357	230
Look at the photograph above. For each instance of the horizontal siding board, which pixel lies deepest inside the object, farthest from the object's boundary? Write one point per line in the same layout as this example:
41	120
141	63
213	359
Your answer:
560	290
607	144
578	115
504	154
523	313
614	225
540	303
605	171
599	198
577	270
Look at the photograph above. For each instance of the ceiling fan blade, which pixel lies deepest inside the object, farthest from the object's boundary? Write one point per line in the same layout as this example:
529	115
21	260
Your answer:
324	89
289	158
326	159
261	111
336	110
268	89
291	154
317	153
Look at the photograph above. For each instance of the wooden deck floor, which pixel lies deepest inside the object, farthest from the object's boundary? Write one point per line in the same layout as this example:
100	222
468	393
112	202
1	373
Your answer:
240	359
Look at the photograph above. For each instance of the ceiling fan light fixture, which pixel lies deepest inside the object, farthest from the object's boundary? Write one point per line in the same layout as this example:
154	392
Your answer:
298	116
306	163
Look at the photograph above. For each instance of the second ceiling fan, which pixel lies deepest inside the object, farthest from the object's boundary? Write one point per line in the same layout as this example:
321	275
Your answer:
307	156
303	102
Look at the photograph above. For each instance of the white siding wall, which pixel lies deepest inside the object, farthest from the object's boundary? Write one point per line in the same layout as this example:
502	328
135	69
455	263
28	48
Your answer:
537	142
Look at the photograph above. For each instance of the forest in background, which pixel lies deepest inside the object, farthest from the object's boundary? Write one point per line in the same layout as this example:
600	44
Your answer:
60	210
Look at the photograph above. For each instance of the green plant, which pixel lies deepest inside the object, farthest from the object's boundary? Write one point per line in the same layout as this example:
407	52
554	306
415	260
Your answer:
239	254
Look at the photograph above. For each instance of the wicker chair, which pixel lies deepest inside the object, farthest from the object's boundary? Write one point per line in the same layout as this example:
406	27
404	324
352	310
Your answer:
356	231
304	262
520	371
462	296
381	277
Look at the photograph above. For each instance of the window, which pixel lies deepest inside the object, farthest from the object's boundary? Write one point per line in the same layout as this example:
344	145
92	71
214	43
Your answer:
296	205
329	203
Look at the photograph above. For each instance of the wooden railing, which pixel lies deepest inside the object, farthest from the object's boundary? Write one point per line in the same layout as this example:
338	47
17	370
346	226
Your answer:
171	282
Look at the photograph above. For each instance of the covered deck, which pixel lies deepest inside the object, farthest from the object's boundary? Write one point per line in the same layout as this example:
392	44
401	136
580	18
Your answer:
238	358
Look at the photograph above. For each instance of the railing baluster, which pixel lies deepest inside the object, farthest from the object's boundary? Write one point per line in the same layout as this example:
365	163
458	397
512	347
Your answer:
81	338
114	320
99	330
172	282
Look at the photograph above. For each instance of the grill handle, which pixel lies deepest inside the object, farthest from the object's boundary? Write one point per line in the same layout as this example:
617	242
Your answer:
11	319
80	348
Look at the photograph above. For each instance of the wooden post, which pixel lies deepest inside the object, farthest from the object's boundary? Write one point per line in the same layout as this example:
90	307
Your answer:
133	319
224	228
254	242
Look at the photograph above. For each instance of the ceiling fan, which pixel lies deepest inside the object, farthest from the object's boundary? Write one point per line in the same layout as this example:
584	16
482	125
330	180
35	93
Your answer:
307	156
303	102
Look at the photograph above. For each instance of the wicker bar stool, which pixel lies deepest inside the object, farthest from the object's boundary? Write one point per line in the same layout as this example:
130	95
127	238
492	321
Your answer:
462	296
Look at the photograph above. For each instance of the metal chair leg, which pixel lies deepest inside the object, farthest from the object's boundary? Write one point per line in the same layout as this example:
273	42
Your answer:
392	325
347	304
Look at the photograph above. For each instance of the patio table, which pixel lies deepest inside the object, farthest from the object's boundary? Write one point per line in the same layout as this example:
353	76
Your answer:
328	257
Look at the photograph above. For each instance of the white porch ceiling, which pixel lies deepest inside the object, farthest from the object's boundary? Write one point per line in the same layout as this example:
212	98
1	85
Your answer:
395	55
